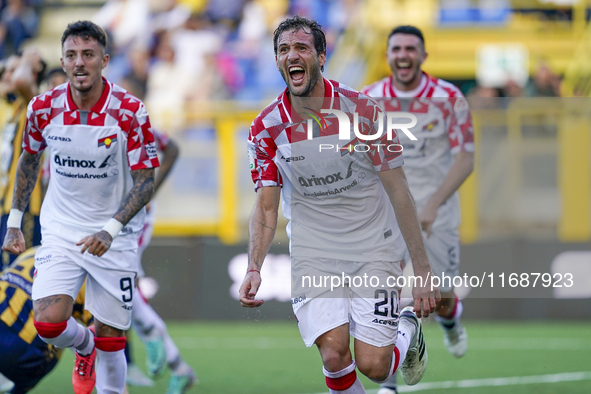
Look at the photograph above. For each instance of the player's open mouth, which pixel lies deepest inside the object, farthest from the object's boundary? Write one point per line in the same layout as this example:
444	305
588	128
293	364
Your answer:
297	74
80	76
404	67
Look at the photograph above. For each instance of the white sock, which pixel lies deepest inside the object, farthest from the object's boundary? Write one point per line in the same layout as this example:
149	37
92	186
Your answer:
75	335
405	334
111	370
336	378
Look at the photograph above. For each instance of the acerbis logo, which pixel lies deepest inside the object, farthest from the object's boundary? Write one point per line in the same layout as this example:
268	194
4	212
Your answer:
75	163
293	158
325	180
58	138
392	323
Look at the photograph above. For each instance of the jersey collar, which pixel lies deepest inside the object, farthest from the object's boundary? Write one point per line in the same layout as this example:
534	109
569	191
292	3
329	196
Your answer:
292	116
99	107
424	91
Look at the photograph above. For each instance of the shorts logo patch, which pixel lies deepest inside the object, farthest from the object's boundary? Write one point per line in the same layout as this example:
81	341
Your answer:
39	260
391	323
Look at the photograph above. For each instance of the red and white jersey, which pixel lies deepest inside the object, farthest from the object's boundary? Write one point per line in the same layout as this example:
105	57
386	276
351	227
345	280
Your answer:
443	130
91	155
333	197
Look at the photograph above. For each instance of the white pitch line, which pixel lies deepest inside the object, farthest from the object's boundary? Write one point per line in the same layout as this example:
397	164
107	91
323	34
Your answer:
493	382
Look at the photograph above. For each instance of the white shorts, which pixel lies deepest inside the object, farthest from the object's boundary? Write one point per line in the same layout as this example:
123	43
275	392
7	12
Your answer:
372	320
109	292
443	250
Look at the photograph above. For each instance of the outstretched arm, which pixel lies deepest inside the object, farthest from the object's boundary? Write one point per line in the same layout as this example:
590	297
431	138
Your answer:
139	195
24	76
395	184
27	172
262	226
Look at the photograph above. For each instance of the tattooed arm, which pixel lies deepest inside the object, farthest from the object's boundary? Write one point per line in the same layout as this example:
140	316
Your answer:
139	195
27	172
263	223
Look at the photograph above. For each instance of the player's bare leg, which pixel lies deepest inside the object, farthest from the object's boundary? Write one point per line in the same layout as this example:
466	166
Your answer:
56	326
339	367
111	367
449	310
374	362
408	353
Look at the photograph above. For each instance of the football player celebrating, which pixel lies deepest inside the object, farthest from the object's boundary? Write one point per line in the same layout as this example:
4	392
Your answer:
436	165
358	216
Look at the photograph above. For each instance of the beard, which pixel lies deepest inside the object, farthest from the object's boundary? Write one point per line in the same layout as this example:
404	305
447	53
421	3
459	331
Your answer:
416	73
82	90
304	91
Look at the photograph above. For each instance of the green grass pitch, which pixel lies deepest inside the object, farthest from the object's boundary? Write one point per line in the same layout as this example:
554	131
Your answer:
267	357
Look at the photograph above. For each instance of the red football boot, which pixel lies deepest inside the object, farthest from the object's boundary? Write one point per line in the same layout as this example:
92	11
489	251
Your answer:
84	375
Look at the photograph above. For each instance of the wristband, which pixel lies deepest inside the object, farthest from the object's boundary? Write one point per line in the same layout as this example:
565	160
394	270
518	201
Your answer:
253	271
15	219
113	227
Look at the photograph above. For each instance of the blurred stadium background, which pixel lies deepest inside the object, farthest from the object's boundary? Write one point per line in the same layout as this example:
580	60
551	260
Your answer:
207	68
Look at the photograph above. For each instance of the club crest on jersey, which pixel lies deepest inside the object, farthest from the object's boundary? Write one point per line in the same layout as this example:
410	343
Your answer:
107	141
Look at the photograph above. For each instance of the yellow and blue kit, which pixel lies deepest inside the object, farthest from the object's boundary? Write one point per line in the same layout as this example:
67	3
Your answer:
10	152
26	359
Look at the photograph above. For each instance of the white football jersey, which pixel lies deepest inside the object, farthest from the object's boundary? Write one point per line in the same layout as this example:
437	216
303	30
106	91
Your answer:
91	156
444	129
333	197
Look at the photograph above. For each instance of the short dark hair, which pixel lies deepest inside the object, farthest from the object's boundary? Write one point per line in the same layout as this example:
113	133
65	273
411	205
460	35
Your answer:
55	71
407	29
86	30
41	73
302	23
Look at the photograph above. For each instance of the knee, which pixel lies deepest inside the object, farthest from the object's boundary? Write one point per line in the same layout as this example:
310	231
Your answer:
374	369
53	309
335	359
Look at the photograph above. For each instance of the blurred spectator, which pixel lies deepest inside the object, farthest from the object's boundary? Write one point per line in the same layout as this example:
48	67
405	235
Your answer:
169	86
127	25
544	83
54	78
126	20
18	21
481	97
225	12
170	15
139	63
194	43
512	89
